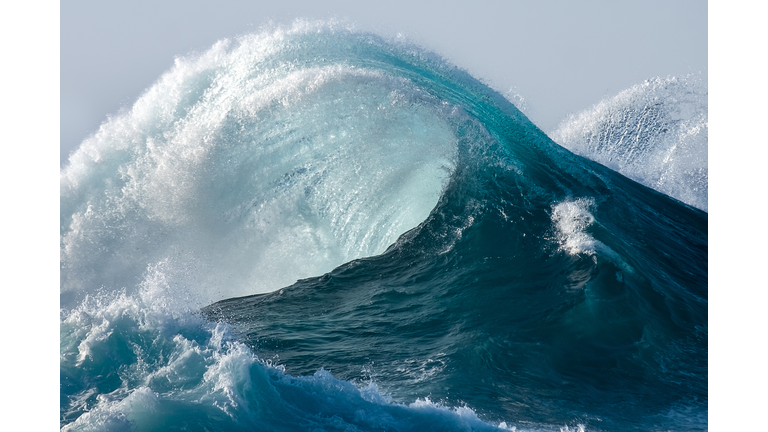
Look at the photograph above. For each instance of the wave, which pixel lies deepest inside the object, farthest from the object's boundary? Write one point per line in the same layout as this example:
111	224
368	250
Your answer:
129	364
317	229
655	133
239	160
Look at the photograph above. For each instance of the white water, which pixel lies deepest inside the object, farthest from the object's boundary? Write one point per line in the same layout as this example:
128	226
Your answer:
174	369
571	218
224	172
655	133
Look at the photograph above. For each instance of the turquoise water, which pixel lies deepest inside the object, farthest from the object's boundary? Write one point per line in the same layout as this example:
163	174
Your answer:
317	229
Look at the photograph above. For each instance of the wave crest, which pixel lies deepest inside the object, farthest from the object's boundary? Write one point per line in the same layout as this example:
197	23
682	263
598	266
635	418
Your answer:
241	159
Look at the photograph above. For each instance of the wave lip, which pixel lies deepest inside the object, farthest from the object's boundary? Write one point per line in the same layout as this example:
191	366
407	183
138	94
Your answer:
655	133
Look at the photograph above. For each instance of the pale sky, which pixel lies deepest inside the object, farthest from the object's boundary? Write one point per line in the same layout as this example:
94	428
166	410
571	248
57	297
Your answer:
561	56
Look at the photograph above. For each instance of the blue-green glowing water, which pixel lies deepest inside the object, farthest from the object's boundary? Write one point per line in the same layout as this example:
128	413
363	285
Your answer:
315	229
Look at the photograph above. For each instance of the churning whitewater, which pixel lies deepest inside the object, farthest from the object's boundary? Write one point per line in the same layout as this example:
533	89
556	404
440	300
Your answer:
316	229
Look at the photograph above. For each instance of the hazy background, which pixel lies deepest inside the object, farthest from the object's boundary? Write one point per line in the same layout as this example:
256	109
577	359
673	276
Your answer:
561	56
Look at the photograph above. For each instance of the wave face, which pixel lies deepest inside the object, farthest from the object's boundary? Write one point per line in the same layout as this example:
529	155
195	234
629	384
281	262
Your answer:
317	229
655	133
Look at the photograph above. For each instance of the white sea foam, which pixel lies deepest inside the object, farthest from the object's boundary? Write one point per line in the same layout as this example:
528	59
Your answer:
571	218
170	368
655	133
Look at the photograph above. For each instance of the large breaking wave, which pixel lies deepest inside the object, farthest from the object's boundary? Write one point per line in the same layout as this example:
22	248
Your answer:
237	162
424	257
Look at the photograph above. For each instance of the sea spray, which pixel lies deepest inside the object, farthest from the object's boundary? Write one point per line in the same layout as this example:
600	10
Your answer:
655	133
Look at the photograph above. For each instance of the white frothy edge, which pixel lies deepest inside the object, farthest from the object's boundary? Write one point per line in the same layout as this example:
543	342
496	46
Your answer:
571	218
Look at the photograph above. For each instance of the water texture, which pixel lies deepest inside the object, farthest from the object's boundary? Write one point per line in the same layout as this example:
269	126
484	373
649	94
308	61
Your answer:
314	229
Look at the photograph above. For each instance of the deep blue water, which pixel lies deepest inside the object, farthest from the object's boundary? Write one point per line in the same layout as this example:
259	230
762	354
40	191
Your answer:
315	229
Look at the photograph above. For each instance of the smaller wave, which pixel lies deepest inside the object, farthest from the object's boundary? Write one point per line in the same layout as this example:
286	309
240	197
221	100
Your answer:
655	133
136	361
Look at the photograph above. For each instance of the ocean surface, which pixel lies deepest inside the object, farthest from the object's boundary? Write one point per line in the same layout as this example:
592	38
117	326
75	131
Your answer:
317	229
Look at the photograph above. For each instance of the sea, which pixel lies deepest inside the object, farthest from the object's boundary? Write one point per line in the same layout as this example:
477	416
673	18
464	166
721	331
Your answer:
312	228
